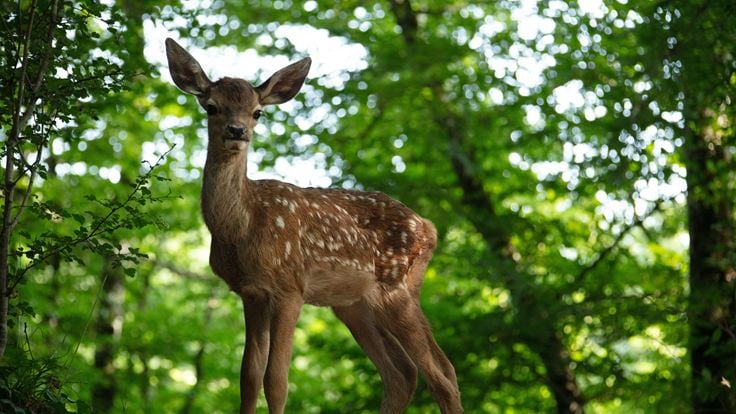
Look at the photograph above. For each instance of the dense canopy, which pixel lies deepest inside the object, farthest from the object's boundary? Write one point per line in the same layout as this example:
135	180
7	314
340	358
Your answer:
576	158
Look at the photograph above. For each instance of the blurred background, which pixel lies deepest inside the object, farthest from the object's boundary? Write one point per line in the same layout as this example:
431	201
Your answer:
576	158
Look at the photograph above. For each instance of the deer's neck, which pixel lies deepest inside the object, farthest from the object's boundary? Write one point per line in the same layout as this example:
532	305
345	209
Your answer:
225	201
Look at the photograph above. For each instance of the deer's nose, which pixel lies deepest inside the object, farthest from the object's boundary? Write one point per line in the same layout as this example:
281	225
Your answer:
236	131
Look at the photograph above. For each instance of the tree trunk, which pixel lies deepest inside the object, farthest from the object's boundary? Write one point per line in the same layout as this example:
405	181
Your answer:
560	376
198	359
108	327
546	341
482	214
145	378
712	303
192	394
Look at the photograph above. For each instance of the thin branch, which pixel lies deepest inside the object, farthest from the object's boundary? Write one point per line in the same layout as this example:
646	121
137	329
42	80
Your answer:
24	200
22	81
97	229
19	121
28	340
368	130
725	328
9	187
180	271
50	44
84	331
611	247
43	67
12	62
33	169
406	19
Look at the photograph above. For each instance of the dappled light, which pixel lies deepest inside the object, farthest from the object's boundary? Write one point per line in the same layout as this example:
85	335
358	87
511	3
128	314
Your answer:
577	159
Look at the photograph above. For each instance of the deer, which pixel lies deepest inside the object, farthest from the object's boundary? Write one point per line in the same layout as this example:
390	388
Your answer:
280	246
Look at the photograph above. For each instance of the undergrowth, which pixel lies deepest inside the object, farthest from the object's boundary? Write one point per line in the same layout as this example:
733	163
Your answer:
32	385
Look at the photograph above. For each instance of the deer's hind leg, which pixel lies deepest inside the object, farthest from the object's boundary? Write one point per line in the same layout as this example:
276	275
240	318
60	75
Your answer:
400	313
397	371
405	321
415	278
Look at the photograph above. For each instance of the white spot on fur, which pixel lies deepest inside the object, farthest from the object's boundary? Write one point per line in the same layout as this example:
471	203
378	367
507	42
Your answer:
280	222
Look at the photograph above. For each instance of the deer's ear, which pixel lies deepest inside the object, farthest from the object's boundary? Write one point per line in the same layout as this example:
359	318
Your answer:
185	70
285	83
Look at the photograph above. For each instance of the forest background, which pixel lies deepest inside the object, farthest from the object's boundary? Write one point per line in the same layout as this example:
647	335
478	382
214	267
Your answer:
576	158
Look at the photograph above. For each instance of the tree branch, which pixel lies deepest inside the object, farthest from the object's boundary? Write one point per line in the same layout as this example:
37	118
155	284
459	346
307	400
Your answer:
32	169
406	19
483	216
180	271
97	229
15	131
611	247
43	67
9	187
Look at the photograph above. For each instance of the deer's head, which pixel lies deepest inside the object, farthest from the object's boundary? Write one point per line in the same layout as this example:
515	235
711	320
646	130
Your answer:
233	105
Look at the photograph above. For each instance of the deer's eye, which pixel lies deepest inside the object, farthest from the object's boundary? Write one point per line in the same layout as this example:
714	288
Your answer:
257	114
211	109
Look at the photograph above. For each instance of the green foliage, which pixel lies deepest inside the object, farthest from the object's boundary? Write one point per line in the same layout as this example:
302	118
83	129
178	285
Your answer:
57	79
33	386
548	144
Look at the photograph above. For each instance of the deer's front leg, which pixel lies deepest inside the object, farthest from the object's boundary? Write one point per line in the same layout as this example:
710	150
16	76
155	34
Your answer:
255	356
283	323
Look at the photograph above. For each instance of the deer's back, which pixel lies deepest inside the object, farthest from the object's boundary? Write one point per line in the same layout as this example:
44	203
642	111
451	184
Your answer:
315	239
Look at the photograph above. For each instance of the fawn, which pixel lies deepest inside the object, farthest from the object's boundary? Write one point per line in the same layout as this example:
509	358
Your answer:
279	246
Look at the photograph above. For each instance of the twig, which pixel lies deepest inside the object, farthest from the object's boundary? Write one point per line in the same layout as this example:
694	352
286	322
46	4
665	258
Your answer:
33	171
9	186
28	340
179	271
43	67
97	229
611	247
84	331
725	328
22	81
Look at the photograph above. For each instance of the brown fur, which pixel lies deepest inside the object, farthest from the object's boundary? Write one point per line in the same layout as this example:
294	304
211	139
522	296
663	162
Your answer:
279	246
